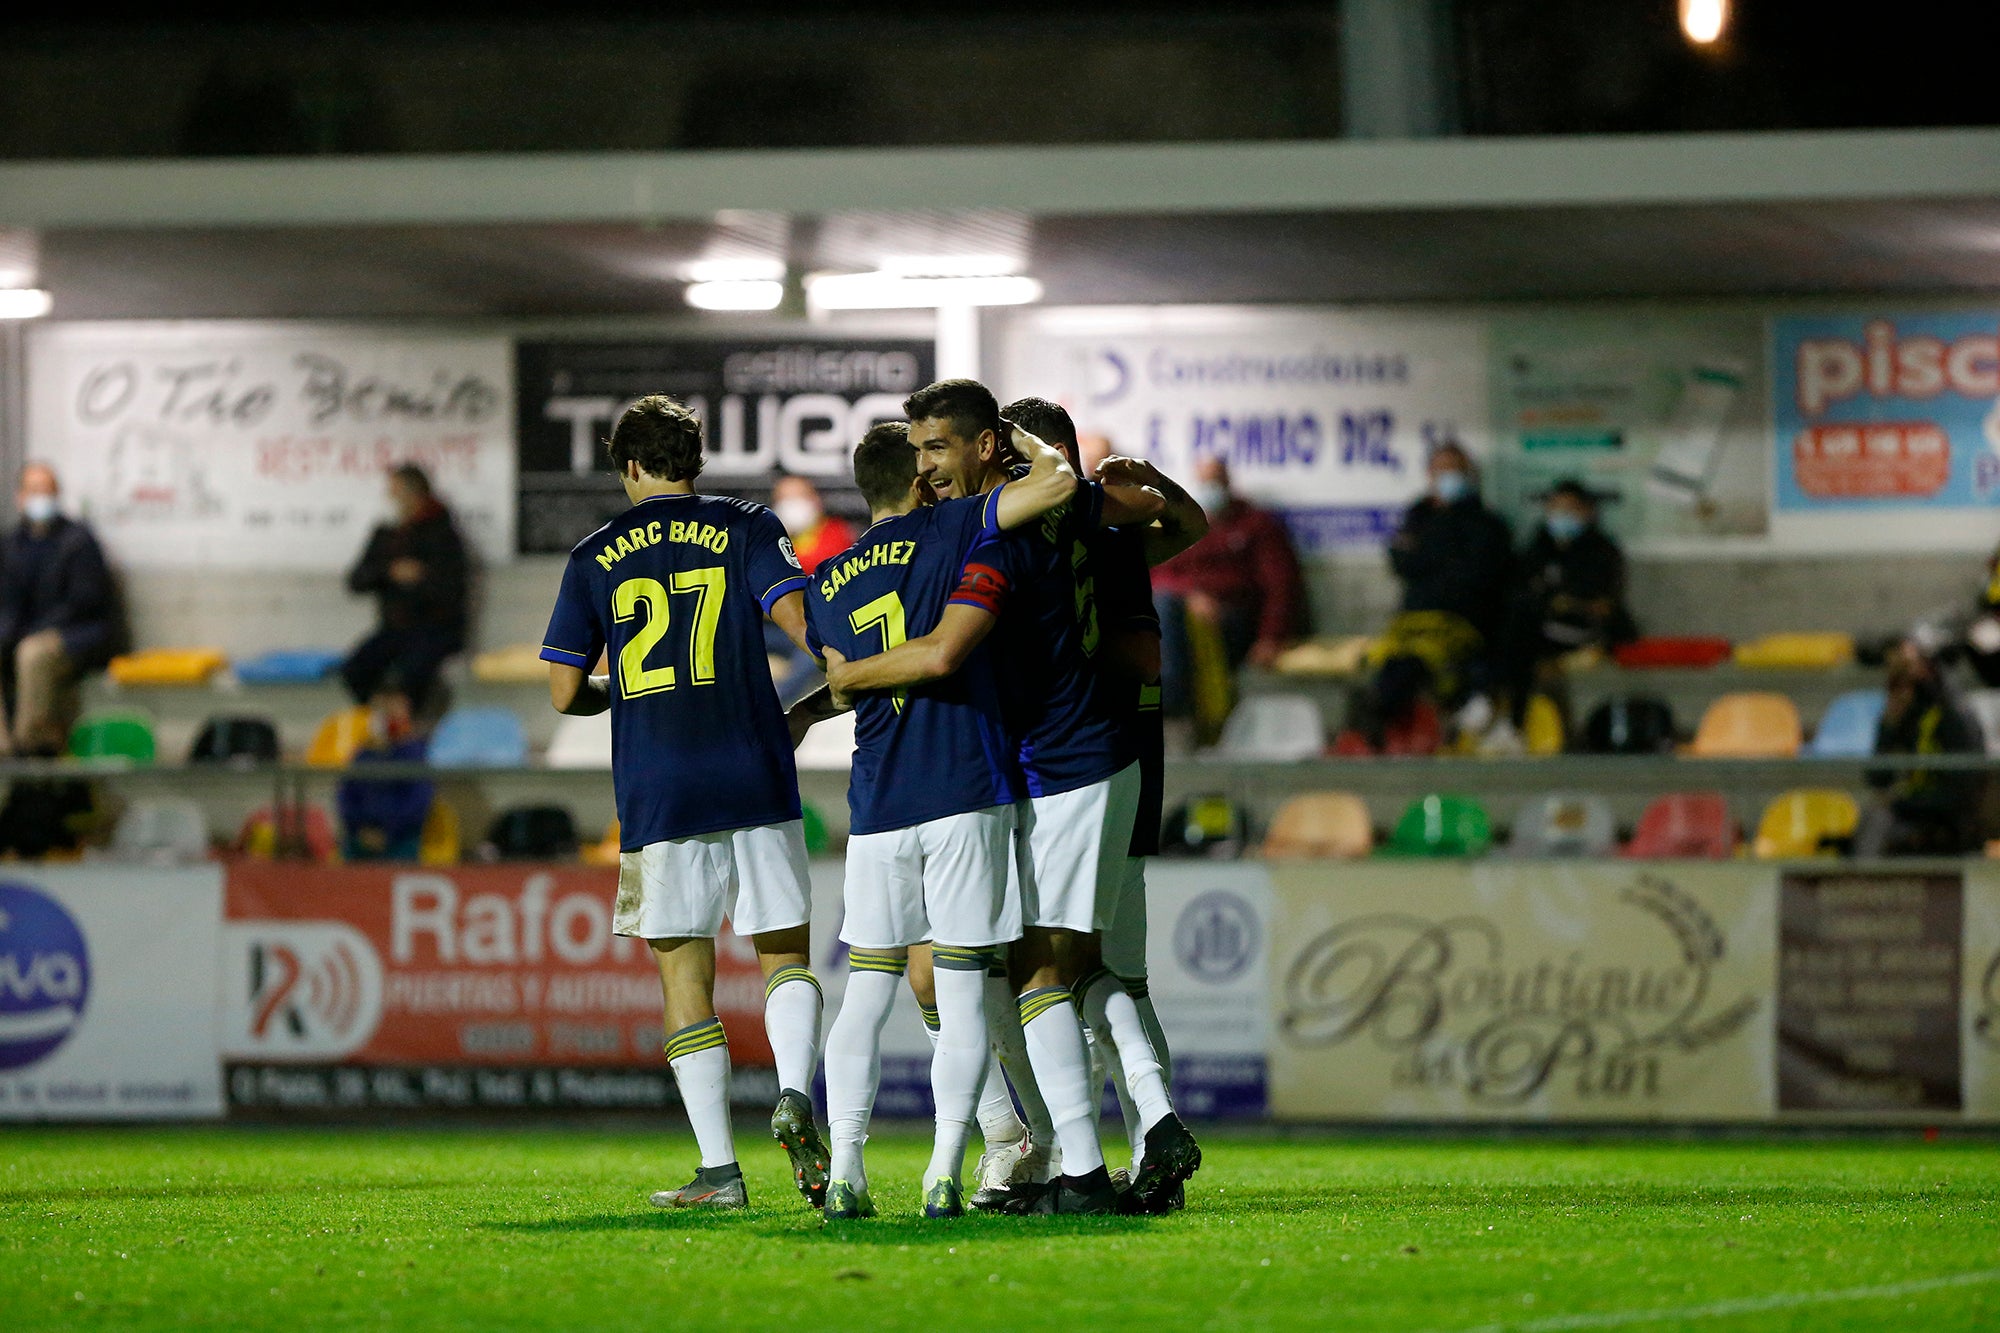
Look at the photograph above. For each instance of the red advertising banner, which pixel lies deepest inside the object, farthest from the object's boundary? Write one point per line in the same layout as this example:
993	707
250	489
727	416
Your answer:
479	967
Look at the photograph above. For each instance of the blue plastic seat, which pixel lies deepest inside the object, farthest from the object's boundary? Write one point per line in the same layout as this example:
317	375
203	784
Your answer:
290	666
1847	730
487	737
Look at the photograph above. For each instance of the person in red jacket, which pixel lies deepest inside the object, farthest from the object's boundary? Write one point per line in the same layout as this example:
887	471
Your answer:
1243	578
816	535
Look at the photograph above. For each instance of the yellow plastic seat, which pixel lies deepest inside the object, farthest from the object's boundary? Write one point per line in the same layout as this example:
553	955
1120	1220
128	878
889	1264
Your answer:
167	666
1333	656
1749	726
1542	726
338	737
1330	824
438	844
603	852
1802	823
1797	650
516	664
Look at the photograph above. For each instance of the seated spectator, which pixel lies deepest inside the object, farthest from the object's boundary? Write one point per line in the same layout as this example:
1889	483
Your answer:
418	572
816	535
59	617
1982	633
1240	585
1917	812
1454	558
1570	593
383	819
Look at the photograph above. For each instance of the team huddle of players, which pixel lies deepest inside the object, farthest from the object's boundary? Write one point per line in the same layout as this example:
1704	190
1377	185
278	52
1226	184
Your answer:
993	632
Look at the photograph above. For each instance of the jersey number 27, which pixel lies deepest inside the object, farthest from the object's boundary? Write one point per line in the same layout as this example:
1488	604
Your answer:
706	586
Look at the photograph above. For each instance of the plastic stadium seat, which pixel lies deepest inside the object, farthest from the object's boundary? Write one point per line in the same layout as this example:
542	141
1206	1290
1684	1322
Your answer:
438	843
1330	824
531	833
1847	729
1748	726
1207	824
1441	825
1276	728
1336	656
603	852
1542	726
484	737
290	666
1418	733
1798	651
829	745
1635	725
166	829
239	742
1811	822
1663	652
167	666
113	736
1565	824
516	664
339	735
581	742
1984	705
311	835
813	827
1688	824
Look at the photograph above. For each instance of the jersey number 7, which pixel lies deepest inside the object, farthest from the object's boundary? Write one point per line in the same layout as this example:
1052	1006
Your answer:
885	613
706	587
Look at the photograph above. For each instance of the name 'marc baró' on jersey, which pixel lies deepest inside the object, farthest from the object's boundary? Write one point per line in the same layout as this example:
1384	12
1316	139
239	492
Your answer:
1050	689
940	748
677	589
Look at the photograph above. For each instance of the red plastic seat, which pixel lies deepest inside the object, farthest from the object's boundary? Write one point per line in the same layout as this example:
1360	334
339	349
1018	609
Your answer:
1420	733
1689	824
1672	652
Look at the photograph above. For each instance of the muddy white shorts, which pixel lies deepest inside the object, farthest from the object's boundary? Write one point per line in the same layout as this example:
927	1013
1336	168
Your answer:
944	880
683	888
1072	849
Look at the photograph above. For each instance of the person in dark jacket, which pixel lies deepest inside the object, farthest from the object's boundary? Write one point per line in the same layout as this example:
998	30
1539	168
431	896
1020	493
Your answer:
1454	558
417	570
1921	812
1570	592
59	617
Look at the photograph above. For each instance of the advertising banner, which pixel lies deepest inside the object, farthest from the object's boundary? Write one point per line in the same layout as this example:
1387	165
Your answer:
1887	411
1532	991
475	986
1324	415
261	446
769	407
107	993
1660	414
1979	980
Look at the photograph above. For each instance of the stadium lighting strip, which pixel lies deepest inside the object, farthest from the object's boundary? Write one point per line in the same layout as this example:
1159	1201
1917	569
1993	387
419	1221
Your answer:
24	303
884	290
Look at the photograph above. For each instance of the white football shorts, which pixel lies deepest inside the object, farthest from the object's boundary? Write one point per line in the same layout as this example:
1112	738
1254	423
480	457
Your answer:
944	880
683	888
1072	850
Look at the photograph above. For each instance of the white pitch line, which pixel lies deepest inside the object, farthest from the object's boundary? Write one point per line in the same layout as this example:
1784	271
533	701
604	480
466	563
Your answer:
1746	1305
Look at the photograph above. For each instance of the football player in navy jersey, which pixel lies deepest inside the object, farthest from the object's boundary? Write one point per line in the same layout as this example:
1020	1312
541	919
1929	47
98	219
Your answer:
677	589
1128	664
1081	771
931	795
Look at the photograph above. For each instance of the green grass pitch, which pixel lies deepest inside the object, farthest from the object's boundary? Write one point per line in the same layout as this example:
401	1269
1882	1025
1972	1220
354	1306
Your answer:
503	1229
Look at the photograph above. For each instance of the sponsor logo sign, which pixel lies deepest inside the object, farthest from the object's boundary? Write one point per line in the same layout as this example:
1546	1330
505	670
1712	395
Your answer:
1486	991
44	975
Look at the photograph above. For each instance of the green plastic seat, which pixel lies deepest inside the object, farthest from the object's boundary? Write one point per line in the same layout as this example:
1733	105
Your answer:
817	840
1441	825
113	736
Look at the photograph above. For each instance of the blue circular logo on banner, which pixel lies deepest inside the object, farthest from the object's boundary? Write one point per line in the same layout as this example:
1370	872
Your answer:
44	975
1217	937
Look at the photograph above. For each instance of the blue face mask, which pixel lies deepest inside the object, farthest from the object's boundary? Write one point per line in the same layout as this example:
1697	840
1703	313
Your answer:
1451	487
1564	528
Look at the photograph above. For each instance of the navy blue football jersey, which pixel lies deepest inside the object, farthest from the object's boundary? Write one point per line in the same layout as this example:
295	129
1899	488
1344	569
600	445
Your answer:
1054	700
677	588
941	748
1123	585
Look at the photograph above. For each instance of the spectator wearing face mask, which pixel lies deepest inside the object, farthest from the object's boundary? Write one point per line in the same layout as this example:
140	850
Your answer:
59	617
816	535
1241	581
1570	592
1919	812
1454	558
417	570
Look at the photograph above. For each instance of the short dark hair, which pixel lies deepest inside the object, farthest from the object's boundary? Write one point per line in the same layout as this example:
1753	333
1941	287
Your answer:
661	436
968	405
1047	421
412	476
885	465
1575	490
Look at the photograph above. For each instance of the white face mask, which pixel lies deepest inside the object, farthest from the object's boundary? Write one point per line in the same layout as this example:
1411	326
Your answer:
1213	497
798	515
40	508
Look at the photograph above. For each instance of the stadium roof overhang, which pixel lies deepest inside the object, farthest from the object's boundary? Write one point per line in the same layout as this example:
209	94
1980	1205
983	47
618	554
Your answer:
1440	220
